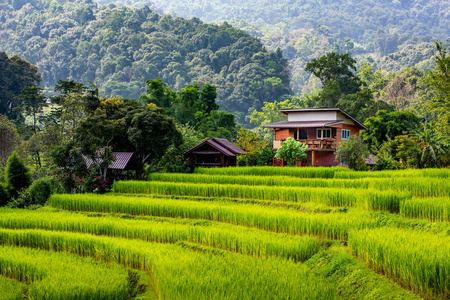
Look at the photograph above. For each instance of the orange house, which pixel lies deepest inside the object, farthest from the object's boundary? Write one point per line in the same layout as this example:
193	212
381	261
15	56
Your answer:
321	129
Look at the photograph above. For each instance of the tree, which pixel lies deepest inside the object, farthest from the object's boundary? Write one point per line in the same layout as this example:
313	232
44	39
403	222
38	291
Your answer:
151	132
291	151
362	105
17	174
31	103
387	125
270	113
334	67
252	144
173	160
407	150
353	152
15	75
4	197
74	102
433	145
125	125
9	138
159	94
192	106
439	79
69	161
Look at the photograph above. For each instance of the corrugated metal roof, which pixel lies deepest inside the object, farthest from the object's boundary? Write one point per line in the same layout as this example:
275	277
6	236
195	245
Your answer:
286	111
301	124
121	162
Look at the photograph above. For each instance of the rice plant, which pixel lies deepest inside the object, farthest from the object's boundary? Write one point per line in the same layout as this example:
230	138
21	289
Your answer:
11	289
417	186
433	173
304	172
419	259
233	238
332	225
188	271
434	209
384	200
258	180
63	276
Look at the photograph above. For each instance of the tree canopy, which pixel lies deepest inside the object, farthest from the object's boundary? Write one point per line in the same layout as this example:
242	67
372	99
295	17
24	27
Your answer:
192	106
119	48
125	125
387	125
16	74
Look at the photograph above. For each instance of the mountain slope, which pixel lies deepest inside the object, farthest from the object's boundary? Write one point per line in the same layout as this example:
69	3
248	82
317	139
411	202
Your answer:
307	29
119	48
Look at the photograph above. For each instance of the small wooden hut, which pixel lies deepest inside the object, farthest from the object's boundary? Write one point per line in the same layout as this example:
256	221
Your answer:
214	152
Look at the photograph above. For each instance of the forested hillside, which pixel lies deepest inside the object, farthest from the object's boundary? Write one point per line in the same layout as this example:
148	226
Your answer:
307	29
119	48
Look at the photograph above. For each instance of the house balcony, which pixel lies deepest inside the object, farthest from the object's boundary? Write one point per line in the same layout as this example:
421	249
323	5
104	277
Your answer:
313	144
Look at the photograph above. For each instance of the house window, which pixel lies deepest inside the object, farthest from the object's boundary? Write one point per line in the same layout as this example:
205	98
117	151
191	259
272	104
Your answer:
325	132
345	134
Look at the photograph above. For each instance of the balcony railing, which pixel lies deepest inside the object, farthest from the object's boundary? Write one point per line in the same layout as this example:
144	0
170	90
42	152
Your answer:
316	144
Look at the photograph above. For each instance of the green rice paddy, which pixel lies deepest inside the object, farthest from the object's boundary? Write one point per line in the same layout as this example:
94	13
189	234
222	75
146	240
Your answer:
237	233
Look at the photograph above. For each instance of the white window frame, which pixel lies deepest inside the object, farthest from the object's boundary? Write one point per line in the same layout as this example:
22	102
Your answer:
321	133
345	134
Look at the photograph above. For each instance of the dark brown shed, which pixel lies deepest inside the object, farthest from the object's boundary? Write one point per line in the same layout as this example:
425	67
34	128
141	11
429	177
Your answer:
214	152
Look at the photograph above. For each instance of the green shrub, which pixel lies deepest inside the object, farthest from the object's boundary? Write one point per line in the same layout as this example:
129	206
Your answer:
384	162
40	190
17	175
4	197
37	194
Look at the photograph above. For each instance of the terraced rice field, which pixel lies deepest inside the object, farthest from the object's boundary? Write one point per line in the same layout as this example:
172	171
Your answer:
237	233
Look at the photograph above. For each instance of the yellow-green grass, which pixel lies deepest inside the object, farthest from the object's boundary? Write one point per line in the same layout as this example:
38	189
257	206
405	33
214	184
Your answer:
417	186
304	172
239	239
259	180
187	271
433	173
63	276
353	279
434	209
330	225
369	198
11	289
418	259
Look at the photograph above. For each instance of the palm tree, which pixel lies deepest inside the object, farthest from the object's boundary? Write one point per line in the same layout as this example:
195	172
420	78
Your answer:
432	145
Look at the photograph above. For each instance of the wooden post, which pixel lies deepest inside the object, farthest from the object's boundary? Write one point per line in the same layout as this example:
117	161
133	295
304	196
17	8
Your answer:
313	158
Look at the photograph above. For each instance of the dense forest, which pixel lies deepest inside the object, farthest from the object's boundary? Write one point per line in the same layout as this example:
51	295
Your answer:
307	29
119	48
